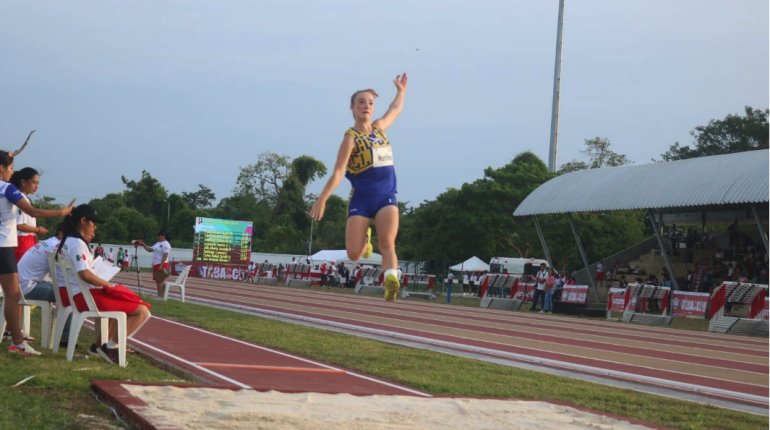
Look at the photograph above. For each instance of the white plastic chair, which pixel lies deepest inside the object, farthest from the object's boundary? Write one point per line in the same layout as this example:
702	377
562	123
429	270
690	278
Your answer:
102	317
179	282
62	312
46	310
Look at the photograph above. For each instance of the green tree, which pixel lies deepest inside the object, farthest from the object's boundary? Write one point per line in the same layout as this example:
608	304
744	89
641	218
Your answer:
263	179
329	233
147	196
599	155
107	204
181	226
137	226
734	133
203	198
291	198
47	202
476	219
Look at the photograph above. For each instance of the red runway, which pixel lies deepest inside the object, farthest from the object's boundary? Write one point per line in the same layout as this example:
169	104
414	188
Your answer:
729	371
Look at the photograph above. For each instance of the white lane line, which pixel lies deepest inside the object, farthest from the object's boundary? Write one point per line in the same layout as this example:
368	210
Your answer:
325	366
178	358
515	356
190	363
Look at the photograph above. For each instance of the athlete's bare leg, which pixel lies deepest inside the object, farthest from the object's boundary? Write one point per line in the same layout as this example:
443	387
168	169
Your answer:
386	222
355	236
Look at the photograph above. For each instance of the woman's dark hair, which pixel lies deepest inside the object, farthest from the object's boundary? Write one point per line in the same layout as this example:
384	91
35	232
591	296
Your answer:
5	158
24	174
69	227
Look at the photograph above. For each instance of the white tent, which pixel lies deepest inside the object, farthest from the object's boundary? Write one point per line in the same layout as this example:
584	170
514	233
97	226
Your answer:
342	255
473	264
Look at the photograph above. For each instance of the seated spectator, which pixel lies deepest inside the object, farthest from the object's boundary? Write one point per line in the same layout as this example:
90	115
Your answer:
34	274
80	227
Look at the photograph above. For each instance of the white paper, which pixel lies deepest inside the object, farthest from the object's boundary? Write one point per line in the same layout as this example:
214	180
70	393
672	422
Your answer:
104	269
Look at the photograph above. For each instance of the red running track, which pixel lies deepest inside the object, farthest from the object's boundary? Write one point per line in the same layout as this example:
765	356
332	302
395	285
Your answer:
705	365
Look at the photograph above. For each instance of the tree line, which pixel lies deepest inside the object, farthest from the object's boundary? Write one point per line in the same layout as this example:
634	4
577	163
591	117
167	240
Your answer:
474	219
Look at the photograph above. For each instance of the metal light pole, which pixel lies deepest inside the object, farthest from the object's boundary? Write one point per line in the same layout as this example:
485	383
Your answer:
310	241
556	88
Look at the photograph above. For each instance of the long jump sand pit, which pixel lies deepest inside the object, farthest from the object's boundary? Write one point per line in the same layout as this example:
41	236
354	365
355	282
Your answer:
170	407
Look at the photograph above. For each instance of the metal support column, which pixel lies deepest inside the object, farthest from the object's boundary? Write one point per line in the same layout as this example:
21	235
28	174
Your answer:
759	226
663	253
542	243
581	250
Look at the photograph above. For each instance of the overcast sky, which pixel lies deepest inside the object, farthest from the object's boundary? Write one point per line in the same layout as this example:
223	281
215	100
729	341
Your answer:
193	90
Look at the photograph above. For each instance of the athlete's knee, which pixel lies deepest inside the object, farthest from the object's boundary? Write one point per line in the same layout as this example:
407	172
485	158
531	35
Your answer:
387	246
355	254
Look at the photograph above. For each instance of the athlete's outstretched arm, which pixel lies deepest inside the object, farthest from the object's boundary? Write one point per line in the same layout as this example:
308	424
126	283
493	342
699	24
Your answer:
396	105
319	207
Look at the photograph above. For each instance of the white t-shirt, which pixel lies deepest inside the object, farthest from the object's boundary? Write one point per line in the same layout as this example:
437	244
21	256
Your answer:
542	274
158	250
23	218
9	195
33	266
76	250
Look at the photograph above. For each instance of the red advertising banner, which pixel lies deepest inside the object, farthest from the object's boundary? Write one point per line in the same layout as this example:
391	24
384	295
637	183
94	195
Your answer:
763	315
574	294
523	291
207	270
689	304
616	299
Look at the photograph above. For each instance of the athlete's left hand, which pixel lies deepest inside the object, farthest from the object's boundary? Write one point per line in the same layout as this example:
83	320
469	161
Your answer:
400	81
318	209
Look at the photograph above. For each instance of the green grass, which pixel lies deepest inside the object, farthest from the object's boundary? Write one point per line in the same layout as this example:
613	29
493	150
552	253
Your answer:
59	396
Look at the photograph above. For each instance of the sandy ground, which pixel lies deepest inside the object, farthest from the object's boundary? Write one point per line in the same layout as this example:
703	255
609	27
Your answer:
212	408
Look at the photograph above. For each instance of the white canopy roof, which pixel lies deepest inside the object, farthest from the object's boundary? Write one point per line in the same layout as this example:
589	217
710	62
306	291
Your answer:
738	178
473	264
340	255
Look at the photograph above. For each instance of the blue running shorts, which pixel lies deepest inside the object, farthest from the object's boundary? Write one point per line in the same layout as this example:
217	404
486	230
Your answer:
367	205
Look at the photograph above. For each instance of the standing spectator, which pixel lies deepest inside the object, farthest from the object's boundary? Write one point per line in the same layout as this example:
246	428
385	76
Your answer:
160	252
558	285
466	282
111	256
10	198
324	277
126	260
344	274
27	181
473	283
99	251
542	279
599	276
550	287
449	281
121	256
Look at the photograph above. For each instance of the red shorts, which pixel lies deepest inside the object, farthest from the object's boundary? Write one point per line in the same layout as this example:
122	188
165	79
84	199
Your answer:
118	298
599	276
25	242
157	268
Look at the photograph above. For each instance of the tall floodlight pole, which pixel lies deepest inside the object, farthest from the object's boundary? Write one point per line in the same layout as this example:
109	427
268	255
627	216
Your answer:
556	88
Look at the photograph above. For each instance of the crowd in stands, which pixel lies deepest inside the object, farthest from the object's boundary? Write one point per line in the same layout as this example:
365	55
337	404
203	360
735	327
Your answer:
741	261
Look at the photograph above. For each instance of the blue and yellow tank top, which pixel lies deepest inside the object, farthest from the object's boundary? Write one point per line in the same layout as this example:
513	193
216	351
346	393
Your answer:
370	167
